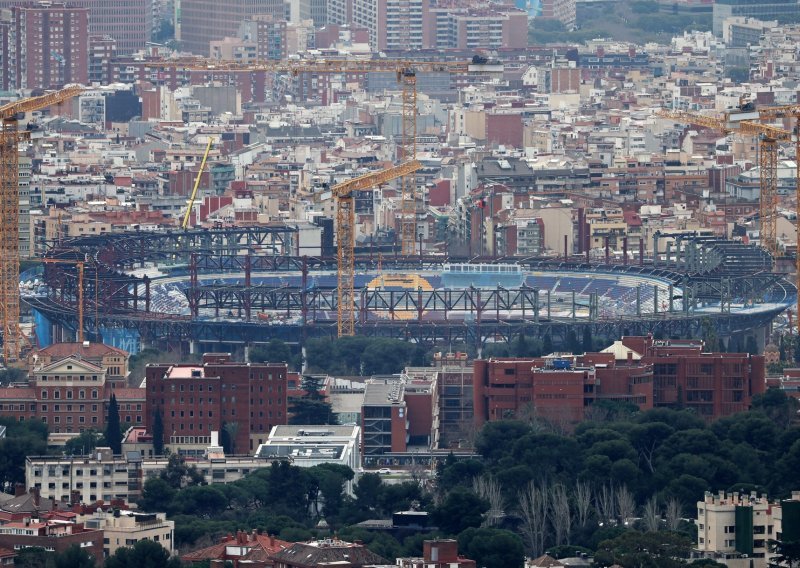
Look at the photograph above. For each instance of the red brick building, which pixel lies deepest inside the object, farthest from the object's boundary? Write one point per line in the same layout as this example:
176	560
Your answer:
640	370
439	553
52	536
240	400
27	522
712	384
69	389
49	46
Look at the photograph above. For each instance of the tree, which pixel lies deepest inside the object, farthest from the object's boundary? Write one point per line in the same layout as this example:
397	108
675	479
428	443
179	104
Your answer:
488	489
311	408
673	514
560	516
583	502
460	510
74	557
535	512
709	335
231	429
587	340
84	443
547	344
626	505
34	557
787	553
201	500
144	554
651	516
633	549
177	474
276	351
113	430
12	375
157	495
492	548
158	433
27	438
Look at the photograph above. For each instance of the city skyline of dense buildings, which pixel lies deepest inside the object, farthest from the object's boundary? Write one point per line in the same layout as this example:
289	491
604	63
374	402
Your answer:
553	198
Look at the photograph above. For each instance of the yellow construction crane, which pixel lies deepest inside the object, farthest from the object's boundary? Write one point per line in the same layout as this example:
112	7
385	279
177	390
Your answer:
768	136
406	72
772	113
9	213
190	204
345	239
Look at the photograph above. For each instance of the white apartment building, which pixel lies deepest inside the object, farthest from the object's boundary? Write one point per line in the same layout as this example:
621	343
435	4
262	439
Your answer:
735	528
123	529
392	24
103	476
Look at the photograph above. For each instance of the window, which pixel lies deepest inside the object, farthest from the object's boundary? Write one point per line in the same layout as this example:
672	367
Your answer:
44	393
81	394
94	393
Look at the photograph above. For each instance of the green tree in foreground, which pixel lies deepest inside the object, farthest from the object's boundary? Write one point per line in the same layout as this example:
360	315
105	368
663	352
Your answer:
158	434
113	429
787	553
74	557
28	438
492	548
84	443
633	549
311	408
145	554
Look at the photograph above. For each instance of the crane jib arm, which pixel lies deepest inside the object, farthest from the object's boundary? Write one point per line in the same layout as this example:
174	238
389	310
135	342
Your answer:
368	181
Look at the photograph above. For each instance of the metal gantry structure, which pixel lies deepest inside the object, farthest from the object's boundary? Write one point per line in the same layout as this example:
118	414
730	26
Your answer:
10	135
406	72
345	237
769	137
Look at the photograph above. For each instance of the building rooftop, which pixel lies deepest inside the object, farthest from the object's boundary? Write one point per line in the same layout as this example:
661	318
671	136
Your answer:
384	393
186	372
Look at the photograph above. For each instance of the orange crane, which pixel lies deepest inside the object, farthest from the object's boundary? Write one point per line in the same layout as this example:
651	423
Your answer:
345	241
80	265
406	73
9	213
769	137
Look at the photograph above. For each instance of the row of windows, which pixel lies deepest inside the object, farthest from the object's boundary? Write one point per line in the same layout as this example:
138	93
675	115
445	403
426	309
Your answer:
69	394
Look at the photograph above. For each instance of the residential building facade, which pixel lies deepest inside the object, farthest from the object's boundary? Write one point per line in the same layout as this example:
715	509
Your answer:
122	528
103	476
48	47
243	401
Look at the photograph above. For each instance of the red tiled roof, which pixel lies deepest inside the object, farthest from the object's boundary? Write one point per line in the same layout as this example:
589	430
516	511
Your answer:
93	350
261	549
17	393
6	553
129	394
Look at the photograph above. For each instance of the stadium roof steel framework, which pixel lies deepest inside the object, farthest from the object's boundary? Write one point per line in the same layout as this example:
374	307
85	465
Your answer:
734	279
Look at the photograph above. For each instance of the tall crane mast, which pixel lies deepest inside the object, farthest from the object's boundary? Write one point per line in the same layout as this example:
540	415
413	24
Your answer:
772	113
769	137
406	72
9	213
345	239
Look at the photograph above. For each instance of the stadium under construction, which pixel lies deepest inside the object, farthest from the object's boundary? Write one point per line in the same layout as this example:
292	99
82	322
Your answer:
221	289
